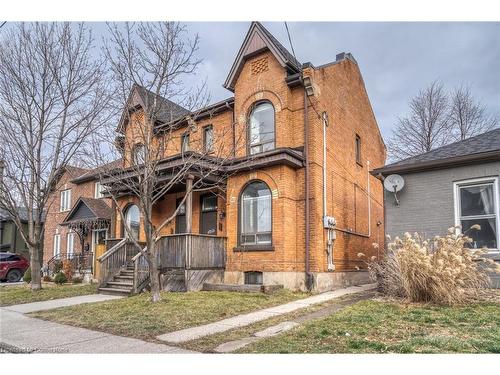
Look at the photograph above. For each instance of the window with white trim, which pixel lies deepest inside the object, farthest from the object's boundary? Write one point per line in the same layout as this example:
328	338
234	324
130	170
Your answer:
57	244
477	203
98	190
65	200
256	215
70	243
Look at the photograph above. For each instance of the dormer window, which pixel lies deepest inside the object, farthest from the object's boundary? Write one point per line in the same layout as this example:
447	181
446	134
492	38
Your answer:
139	154
261	134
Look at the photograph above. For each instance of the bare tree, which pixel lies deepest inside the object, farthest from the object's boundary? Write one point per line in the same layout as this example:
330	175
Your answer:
468	117
52	97
426	127
156	60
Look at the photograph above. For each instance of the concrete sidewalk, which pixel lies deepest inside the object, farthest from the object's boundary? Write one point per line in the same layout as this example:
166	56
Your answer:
21	334
62	302
194	333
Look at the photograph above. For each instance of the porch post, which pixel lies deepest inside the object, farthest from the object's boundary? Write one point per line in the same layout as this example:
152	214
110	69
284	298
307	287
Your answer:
189	203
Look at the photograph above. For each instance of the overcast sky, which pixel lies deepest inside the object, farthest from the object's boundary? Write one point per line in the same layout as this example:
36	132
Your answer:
396	59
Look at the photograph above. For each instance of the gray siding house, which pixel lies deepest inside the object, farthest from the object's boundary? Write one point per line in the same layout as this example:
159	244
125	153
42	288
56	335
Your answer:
454	184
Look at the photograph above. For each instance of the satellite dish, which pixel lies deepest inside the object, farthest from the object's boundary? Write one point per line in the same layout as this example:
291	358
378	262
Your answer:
394	183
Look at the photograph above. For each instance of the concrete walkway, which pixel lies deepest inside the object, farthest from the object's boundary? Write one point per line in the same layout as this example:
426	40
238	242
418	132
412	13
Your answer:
282	327
62	302
194	333
22	334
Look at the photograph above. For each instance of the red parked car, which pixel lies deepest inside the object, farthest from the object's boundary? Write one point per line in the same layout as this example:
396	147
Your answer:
12	267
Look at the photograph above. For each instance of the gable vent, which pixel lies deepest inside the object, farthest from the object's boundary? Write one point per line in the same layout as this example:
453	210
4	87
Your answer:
259	66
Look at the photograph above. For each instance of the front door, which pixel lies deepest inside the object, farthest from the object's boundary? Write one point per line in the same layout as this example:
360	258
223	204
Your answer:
208	223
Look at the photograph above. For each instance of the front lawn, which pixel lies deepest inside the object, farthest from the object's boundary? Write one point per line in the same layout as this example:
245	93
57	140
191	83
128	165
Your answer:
137	317
14	295
382	327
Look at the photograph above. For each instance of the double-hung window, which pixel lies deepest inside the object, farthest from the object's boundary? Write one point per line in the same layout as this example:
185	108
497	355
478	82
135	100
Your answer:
477	202
184	143
65	200
208	138
98	190
70	244
256	215
57	244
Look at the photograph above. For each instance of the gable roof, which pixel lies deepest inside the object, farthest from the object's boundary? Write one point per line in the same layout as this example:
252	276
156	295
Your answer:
88	209
258	39
23	214
93	174
140	96
481	148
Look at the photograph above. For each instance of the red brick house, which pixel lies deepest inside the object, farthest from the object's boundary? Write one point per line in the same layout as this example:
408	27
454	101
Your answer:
299	204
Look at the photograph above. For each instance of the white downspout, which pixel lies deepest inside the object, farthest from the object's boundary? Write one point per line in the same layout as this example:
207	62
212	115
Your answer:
328	223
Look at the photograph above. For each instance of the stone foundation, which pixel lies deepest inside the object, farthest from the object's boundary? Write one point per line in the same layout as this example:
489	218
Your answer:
189	280
323	281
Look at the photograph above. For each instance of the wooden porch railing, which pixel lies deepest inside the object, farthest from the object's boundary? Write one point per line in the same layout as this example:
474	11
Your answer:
191	251
114	259
141	271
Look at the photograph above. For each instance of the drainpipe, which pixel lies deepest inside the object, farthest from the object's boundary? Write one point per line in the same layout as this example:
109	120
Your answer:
309	278
233	125
369	200
328	222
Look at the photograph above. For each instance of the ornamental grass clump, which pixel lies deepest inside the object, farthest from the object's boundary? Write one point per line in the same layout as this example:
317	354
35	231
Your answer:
442	271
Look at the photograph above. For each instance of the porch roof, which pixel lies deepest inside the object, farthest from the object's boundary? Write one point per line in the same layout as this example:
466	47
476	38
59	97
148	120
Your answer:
217	167
88	210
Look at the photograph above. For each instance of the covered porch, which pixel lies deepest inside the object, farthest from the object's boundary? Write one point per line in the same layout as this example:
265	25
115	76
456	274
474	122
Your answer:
191	249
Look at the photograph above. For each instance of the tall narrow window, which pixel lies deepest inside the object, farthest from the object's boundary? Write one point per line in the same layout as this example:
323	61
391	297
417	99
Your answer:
57	244
208	138
256	216
65	200
184	143
98	190
139	154
476	202
358	150
70	244
133	221
261	132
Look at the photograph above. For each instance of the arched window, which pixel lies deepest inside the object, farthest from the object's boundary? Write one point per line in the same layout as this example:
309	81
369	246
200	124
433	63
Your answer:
255	215
133	221
261	134
139	154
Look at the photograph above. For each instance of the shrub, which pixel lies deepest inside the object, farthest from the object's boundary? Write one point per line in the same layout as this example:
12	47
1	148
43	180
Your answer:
27	275
47	278
68	269
57	265
442	271
76	280
60	278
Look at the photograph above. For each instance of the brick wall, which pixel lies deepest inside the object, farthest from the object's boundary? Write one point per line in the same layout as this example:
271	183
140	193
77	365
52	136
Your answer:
340	91
55	217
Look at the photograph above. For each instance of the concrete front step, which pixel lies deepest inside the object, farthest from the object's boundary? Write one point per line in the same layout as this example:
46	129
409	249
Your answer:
120	284
114	291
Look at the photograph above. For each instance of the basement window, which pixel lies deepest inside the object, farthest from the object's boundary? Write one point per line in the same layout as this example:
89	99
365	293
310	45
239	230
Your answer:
253	278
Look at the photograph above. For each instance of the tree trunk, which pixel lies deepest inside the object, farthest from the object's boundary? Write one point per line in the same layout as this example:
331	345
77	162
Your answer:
154	275
36	279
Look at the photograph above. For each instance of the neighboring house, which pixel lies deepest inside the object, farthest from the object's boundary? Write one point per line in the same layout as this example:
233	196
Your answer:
78	218
10	237
457	184
269	218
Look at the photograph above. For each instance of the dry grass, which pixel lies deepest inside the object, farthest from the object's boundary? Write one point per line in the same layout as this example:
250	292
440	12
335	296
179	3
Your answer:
442	271
137	317
14	295
389	326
